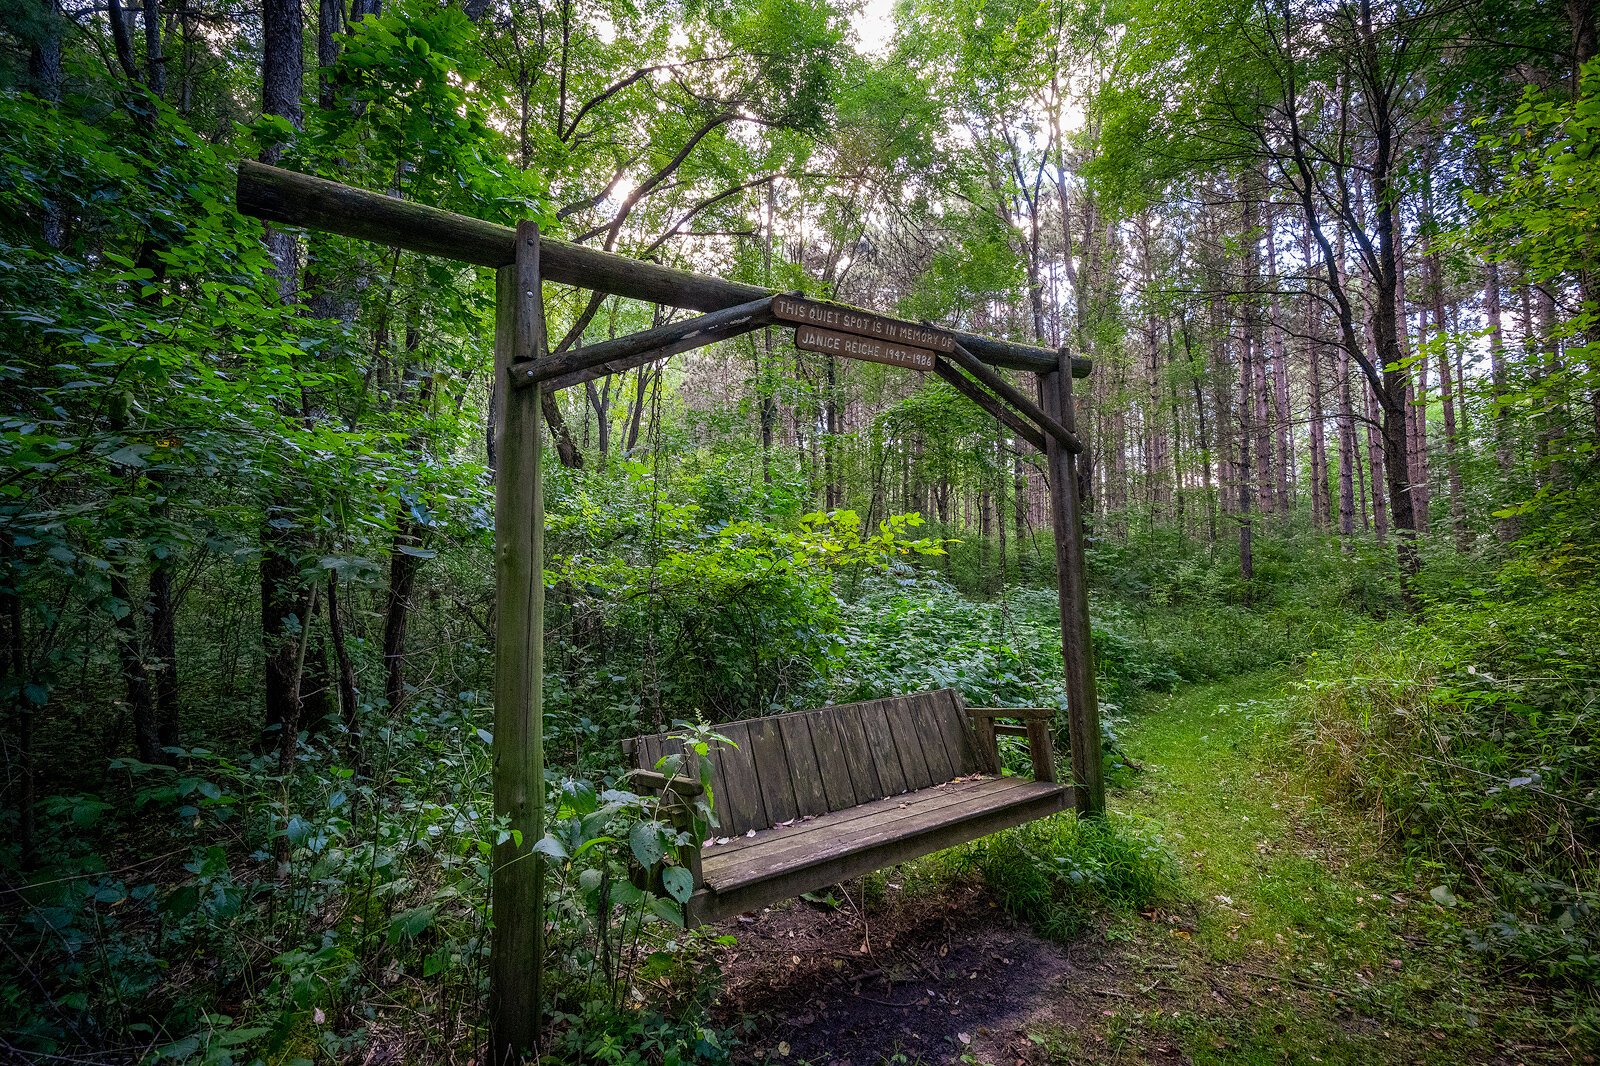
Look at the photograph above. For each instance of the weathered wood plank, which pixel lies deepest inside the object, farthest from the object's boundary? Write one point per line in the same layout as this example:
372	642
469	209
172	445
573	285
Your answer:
1041	751
772	771
744	807
835	820
828	737
294	199
1011	712
928	710
805	770
623	353
1002	388
719	784
953	732
795	843
820	871
880	742
857	753
1077	651
970	389
905	728
516	954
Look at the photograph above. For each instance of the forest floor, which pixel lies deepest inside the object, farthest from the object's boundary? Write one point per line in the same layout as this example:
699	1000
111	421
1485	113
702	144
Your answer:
1302	939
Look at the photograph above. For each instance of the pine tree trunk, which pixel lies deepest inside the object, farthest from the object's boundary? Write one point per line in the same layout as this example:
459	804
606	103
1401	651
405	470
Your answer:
1458	512
1347	449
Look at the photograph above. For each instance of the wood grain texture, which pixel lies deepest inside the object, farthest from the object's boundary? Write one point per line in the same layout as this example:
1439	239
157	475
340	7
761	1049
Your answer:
858	755
874	853
828	737
805	770
743	806
928	713
772	771
906	728
516	953
1077	651
784	845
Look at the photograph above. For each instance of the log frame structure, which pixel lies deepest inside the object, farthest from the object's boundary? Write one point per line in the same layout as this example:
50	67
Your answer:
524	369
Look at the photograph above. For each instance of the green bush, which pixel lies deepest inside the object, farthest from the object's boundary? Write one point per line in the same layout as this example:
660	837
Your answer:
1472	735
1060	873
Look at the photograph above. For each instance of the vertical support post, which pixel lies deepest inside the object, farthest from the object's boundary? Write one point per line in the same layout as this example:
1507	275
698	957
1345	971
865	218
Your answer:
1042	750
516	952
1077	655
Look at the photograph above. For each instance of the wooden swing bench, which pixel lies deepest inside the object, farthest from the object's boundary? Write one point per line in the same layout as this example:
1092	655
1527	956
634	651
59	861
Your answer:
812	798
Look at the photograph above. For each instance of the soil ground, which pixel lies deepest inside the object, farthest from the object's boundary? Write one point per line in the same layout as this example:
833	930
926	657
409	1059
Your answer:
1302	939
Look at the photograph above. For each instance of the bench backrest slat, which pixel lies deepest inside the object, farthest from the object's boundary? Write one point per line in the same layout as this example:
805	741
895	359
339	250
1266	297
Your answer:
789	766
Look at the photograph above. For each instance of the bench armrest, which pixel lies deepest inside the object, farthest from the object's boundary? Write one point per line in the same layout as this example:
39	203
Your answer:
1024	713
658	782
1041	745
678	810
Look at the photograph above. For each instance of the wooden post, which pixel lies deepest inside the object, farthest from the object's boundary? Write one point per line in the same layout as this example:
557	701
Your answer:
516	953
1083	707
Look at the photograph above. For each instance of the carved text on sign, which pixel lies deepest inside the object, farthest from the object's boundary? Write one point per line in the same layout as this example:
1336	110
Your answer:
851	346
849	320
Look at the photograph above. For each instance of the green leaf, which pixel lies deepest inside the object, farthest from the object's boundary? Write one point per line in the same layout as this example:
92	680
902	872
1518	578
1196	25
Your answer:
678	882
408	925
645	840
549	845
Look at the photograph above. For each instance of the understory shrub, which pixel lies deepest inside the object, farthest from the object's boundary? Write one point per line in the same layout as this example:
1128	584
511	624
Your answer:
1472	736
1061	873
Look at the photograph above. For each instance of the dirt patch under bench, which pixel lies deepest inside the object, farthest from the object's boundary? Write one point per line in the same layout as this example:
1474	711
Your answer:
926	977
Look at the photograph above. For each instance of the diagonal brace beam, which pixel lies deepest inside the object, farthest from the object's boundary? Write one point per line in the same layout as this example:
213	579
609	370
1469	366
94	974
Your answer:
969	388
624	353
1007	392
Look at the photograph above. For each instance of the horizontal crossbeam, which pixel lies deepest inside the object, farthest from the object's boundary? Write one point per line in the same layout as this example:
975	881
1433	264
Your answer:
294	199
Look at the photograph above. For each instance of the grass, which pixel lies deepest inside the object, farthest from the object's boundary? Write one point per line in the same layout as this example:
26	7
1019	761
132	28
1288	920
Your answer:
1305	939
1061	874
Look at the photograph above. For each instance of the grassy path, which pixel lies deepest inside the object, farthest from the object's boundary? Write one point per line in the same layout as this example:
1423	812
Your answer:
1303	940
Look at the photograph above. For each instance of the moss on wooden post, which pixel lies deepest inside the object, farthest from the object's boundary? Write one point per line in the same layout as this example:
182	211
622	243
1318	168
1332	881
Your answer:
516	953
1077	654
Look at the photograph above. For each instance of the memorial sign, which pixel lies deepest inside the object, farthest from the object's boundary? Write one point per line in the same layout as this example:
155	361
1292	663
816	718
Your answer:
851	346
833	317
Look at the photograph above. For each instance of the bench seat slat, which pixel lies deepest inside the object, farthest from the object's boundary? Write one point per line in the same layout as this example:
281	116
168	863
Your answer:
800	843
839	820
747	879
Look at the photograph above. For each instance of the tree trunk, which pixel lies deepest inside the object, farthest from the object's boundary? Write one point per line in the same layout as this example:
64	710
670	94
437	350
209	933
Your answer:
13	678
1506	527
1347	449
349	706
403	567
1441	333
155	61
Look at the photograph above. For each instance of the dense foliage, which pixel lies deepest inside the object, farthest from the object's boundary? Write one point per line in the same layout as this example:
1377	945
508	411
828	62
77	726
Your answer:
1334	264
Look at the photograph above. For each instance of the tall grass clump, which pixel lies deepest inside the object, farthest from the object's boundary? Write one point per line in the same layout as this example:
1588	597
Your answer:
1060	873
1472	737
